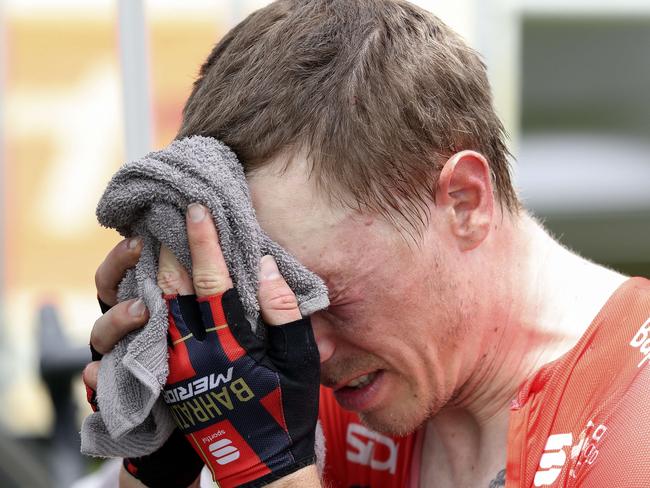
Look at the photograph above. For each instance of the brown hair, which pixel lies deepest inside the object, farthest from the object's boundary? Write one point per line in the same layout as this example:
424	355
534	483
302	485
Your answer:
379	92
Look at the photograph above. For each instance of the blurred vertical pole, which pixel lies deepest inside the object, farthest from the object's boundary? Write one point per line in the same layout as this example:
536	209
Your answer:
135	79
4	356
3	161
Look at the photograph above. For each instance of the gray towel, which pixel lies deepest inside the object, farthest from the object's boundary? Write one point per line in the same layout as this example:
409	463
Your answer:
148	198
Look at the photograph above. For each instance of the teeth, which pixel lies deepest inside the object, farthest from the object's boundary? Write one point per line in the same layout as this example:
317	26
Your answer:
361	381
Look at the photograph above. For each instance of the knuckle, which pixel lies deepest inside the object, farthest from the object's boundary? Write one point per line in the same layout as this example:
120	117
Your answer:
281	300
169	280
111	327
100	278
85	374
89	374
209	282
106	282
97	339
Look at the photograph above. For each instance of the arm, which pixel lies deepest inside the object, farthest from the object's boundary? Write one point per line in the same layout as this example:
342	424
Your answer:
254	421
306	477
274	380
181	464
128	481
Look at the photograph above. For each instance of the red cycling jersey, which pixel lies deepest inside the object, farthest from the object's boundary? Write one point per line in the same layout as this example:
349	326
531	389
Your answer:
581	421
358	457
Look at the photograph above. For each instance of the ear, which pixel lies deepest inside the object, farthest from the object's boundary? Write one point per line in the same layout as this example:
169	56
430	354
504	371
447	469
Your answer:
464	190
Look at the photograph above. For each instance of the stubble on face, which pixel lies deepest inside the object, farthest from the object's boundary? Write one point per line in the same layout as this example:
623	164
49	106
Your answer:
420	335
401	316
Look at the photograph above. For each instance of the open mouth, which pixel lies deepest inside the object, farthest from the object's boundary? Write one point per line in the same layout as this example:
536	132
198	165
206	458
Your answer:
361	381
361	392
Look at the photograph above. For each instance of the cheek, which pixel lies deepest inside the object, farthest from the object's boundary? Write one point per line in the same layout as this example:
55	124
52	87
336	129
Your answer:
408	328
386	328
400	309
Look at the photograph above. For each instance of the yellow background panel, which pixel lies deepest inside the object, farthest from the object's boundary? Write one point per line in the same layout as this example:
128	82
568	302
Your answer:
178	49
64	139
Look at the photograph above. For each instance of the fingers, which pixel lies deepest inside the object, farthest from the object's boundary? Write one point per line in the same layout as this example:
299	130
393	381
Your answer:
109	274
89	375
173	278
123	318
278	303
209	271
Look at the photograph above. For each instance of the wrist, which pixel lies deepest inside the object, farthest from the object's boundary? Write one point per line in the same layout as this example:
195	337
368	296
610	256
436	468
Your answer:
175	464
306	477
127	480
284	475
259	475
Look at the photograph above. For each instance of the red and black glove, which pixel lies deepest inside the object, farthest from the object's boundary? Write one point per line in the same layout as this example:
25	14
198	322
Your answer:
247	404
175	464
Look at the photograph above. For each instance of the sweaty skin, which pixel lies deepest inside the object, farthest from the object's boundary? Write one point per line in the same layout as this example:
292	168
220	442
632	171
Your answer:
454	319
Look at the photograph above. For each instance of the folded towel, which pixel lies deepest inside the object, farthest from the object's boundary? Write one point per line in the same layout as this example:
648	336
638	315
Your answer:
148	198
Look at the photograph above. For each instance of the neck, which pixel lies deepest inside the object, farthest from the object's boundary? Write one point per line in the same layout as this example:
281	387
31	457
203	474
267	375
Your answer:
536	313
460	451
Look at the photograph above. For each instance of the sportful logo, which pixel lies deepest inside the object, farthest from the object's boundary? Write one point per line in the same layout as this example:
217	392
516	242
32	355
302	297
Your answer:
197	387
553	459
583	453
641	340
363	442
224	452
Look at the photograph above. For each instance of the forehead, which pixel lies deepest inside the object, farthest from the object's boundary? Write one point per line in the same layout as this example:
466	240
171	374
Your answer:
324	236
291	210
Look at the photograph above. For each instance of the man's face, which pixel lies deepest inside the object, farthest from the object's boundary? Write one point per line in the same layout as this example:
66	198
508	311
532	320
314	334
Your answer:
391	340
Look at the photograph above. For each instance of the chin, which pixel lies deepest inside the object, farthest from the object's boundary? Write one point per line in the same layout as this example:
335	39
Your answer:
398	421
402	416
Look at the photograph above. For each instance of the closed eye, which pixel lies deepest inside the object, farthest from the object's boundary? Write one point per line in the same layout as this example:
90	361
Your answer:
340	310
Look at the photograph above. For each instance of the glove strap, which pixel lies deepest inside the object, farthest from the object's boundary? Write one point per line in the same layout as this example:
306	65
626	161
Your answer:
174	465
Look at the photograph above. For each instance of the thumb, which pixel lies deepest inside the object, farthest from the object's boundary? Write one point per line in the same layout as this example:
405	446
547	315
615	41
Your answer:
278	303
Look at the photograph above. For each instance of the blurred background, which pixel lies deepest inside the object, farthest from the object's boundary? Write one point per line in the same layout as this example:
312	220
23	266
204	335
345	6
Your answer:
88	84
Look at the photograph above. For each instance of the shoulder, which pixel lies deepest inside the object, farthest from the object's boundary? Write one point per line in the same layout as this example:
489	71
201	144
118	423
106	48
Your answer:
618	448
586	418
615	445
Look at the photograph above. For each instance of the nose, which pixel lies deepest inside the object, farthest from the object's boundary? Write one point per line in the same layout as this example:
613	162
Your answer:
323	336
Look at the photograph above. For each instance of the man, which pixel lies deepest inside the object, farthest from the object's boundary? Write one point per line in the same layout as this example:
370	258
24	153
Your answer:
464	347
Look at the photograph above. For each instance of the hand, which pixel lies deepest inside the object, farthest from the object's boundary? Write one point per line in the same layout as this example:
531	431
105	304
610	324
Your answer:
118	319
248	406
175	463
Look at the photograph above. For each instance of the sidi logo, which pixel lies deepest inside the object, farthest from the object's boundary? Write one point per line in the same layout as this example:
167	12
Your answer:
224	452
364	448
553	459
641	340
